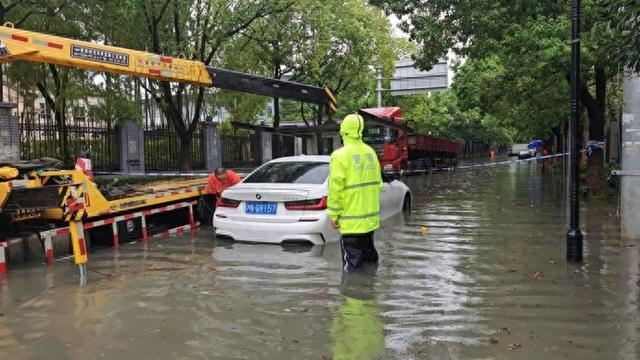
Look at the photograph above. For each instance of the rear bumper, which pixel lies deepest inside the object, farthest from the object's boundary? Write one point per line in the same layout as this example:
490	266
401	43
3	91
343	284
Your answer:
316	232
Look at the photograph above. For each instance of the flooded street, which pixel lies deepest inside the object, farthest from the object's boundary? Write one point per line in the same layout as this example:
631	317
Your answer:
477	272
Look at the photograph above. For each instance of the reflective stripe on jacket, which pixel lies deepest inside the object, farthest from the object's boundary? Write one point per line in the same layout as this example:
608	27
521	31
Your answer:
355	182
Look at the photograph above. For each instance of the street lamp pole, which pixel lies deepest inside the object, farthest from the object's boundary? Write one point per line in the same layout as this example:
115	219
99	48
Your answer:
379	84
574	236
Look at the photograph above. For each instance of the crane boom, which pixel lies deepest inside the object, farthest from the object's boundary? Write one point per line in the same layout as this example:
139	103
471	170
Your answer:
18	44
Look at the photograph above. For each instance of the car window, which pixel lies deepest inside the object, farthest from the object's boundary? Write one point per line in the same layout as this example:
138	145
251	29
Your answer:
291	172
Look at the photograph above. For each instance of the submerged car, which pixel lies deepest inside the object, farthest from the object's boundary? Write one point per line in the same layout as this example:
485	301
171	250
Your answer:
284	202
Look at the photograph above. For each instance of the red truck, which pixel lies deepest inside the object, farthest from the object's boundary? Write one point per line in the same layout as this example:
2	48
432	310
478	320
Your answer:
399	148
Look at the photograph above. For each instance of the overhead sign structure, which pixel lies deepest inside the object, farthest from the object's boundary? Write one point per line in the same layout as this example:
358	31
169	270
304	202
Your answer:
409	80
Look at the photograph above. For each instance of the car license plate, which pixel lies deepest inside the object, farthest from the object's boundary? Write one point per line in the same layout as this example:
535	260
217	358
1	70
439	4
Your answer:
261	208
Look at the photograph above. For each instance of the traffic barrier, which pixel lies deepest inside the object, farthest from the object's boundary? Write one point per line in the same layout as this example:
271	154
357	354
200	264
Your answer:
3	258
47	235
150	174
48	249
176	231
474	166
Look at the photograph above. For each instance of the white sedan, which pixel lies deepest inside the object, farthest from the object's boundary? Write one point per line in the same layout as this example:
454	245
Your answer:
284	202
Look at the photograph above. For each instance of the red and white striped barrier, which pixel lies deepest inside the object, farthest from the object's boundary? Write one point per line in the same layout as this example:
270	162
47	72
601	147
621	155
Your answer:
4	245
48	249
176	231
3	257
47	235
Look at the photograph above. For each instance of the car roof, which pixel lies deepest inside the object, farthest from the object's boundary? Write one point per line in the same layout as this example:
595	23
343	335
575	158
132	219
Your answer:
308	158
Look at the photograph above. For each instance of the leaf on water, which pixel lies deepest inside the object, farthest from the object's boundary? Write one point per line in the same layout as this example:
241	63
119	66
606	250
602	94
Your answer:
513	347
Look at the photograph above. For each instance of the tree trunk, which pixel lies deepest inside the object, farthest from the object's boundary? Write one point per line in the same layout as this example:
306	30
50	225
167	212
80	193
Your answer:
557	133
596	110
184	156
61	123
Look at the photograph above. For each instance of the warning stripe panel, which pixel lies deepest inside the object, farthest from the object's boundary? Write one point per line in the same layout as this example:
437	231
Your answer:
19	38
90	225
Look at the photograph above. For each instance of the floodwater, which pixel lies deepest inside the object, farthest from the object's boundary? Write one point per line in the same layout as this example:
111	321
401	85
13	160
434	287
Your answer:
487	280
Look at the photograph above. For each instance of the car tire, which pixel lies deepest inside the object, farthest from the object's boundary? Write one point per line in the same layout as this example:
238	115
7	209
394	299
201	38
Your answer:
406	204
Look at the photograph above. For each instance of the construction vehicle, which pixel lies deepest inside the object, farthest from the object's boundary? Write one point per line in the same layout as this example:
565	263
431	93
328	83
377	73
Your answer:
400	148
67	201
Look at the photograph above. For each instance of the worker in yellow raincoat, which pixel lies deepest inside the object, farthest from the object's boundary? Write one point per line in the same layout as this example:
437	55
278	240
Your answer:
355	181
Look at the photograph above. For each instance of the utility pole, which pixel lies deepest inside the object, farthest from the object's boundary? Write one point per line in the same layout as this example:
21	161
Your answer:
574	235
379	84
630	173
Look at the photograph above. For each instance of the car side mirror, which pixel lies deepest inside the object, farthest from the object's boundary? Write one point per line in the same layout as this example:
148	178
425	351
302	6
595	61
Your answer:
389	177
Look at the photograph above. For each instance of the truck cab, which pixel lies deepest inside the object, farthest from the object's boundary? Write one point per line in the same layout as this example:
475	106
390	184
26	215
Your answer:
390	145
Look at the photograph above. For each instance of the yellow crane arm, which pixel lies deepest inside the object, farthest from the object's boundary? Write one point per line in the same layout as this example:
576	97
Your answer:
17	44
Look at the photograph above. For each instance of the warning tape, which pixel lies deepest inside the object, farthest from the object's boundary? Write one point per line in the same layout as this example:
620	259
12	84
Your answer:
475	166
149	174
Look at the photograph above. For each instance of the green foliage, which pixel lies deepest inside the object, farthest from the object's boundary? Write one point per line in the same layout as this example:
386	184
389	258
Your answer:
441	115
618	31
333	44
518	54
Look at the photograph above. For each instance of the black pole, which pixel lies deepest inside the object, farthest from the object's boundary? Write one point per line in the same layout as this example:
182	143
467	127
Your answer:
574	236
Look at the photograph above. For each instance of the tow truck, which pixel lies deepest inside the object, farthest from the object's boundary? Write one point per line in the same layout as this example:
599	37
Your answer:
67	201
400	148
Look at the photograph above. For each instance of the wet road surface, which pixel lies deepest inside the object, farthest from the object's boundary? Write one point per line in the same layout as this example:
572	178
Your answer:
487	280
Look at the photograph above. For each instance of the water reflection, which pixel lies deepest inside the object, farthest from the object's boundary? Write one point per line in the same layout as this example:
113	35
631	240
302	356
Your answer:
356	329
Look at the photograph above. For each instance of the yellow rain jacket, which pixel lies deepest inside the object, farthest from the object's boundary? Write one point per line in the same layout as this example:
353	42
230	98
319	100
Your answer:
355	181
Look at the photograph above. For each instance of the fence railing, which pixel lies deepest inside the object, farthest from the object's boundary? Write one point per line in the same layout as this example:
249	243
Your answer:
162	148
42	136
240	149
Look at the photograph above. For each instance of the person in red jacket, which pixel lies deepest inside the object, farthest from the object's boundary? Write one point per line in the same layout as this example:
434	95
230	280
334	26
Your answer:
221	179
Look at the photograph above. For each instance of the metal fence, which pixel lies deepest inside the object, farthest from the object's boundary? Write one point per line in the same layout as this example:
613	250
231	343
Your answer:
472	149
162	148
42	136
240	149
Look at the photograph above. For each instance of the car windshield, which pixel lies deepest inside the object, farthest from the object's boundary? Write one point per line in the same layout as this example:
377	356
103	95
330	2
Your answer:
290	172
378	135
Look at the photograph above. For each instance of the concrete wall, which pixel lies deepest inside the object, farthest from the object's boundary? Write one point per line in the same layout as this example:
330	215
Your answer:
630	182
9	133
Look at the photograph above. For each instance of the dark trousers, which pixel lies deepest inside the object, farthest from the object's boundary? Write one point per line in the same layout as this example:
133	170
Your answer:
357	249
206	208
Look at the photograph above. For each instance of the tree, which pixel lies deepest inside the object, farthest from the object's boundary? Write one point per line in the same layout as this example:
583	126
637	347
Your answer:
171	28
531	40
59	86
619	30
17	12
533	107
441	114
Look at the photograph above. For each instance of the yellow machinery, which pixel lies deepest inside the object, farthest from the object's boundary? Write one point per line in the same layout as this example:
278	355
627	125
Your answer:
68	195
19	44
